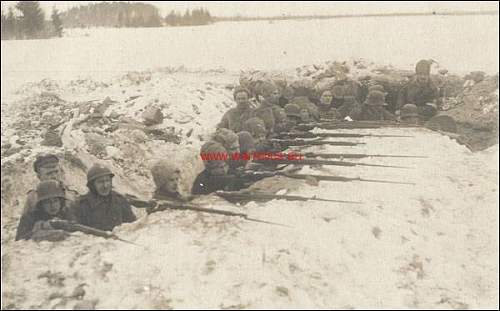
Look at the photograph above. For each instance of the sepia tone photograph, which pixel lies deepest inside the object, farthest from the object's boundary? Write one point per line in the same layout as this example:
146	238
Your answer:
249	155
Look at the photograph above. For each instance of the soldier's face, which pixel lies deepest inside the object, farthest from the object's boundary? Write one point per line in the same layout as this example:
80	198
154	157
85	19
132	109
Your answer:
326	98
49	172
51	206
172	181
304	115
241	99
273	97
103	185
218	168
422	78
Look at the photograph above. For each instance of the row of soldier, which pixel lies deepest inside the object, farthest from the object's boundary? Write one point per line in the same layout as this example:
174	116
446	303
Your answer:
244	129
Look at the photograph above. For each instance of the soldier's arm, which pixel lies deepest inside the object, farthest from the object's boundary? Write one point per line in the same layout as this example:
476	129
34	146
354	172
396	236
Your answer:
25	227
128	214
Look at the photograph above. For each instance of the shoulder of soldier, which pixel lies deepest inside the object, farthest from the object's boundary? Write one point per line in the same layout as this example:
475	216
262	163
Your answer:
120	198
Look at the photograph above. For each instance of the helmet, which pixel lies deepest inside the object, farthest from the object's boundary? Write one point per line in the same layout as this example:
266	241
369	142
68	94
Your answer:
49	189
267	89
338	91
279	114
423	67
409	110
225	137
240	89
292	110
215	148
376	87
44	159
376	98
255	126
97	171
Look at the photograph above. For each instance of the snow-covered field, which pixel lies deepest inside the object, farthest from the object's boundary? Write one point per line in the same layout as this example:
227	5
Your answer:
429	245
459	43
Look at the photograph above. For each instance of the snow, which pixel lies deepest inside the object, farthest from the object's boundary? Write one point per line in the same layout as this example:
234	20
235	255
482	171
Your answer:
427	245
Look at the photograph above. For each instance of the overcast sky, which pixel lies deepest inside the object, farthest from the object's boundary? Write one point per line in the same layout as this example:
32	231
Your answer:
274	8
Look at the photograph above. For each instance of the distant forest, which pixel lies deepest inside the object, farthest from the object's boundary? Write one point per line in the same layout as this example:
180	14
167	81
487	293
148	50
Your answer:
26	20
122	14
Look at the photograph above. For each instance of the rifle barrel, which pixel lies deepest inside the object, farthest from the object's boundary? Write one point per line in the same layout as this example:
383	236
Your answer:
358	155
327	162
335	135
290	142
270	196
343	179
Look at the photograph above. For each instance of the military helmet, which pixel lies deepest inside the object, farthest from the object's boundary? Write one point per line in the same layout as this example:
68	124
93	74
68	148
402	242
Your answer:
255	126
214	148
409	110
376	98
225	137
267	88
279	114
240	89
246	141
338	91
423	67
44	159
292	110
376	87
97	171
49	189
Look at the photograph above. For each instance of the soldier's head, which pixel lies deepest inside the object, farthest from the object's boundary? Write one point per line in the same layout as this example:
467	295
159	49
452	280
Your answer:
247	144
241	97
376	98
256	127
271	93
338	92
214	167
100	180
376	87
293	113
166	177
50	197
409	114
305	115
326	98
47	167
228	139
423	71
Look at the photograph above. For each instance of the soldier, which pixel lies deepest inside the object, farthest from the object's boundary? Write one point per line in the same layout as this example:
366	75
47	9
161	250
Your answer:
311	110
420	91
213	178
373	109
102	208
166	178
325	108
347	87
47	167
234	117
409	114
281	122
293	114
230	141
51	204
265	111
255	126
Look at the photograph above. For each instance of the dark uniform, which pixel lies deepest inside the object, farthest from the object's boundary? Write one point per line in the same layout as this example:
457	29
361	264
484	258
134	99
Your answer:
101	212
373	109
234	118
420	91
32	215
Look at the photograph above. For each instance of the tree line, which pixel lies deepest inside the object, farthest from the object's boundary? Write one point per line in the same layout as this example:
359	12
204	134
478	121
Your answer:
124	14
26	20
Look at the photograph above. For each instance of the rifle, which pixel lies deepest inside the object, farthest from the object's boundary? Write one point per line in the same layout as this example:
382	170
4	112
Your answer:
163	205
343	179
357	155
328	135
262	196
301	142
71	226
325	162
353	125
